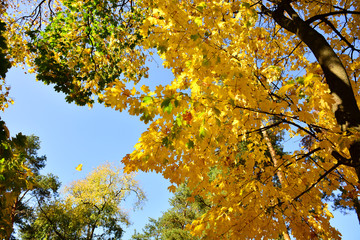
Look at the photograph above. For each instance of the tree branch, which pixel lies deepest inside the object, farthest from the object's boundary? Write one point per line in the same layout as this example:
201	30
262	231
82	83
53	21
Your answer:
50	221
325	20
280	115
319	179
322	16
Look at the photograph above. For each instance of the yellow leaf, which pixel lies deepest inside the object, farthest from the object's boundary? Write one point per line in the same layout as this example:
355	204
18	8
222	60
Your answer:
309	77
79	167
145	89
198	21
285	88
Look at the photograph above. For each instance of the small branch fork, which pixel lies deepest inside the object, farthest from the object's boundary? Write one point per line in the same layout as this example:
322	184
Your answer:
37	13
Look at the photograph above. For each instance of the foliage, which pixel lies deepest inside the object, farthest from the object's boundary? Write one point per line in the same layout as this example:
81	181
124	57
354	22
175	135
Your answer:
91	208
4	66
172	223
240	67
20	178
108	27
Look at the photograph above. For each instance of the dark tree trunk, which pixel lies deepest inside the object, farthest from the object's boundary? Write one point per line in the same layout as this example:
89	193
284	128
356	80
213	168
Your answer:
357	207
345	108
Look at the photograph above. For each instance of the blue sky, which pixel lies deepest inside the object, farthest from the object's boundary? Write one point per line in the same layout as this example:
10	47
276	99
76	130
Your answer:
71	135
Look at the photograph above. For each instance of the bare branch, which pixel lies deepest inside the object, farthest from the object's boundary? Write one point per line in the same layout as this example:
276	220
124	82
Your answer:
317	181
340	35
322	16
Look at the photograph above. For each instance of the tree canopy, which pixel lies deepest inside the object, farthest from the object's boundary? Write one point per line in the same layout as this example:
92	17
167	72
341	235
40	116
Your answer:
240	68
20	179
91	208
172	224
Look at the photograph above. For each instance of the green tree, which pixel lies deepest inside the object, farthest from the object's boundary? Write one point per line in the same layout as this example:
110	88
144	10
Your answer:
90	209
20	179
172	224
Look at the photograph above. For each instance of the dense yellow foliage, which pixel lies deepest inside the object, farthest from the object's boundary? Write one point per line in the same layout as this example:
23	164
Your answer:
236	72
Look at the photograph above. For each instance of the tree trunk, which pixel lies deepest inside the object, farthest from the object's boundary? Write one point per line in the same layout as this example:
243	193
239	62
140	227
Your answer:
345	108
357	207
279	173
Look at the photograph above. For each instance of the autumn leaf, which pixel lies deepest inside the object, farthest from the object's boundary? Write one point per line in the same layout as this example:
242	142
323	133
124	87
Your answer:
79	167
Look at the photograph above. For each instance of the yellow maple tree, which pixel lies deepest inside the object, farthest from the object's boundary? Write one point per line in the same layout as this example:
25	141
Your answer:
241	69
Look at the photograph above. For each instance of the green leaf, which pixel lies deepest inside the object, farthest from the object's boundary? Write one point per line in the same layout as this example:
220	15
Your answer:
176	102
178	121
300	80
169	108
190	144
194	37
162	49
166	142
201	6
166	102
146	117
147	99
202	131
166	105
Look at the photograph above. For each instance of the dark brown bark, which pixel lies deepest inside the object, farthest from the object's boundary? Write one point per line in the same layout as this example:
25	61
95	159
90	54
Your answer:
357	207
345	107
